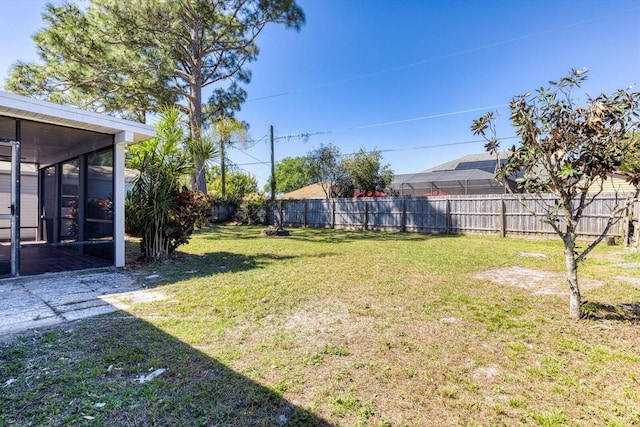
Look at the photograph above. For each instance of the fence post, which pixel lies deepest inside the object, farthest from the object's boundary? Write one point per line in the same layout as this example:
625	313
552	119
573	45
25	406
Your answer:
270	213
447	215
365	215
304	214
503	219
280	219
626	223
333	213
403	218
636	230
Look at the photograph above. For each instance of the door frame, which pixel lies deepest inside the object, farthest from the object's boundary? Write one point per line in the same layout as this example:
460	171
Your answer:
14	209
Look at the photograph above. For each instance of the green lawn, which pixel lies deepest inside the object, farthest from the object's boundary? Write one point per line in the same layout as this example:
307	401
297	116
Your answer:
329	327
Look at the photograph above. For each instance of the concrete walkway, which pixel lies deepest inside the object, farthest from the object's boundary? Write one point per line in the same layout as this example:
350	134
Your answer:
38	301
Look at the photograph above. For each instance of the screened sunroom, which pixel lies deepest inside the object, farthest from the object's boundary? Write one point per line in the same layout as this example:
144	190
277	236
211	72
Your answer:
62	186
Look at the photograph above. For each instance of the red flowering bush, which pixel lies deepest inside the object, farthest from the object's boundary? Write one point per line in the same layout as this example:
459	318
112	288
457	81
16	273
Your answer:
100	208
193	210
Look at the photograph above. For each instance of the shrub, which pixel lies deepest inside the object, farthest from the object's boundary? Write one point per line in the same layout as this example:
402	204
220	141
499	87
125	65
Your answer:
158	208
192	210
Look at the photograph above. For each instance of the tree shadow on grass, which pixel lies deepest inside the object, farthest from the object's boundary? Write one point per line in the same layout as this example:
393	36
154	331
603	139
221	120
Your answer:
223	262
92	372
317	235
323	236
184	265
624	312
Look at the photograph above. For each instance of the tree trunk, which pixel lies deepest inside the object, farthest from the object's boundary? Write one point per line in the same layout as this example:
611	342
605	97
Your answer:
198	179
200	176
575	299
223	184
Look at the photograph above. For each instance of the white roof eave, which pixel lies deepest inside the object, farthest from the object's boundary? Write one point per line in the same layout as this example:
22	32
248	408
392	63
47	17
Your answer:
22	107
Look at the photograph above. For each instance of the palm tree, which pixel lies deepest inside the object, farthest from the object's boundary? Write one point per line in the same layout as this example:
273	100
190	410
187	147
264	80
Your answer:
151	202
202	152
227	131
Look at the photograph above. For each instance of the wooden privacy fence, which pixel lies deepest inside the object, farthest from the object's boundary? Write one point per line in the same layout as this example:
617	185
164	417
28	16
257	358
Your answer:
503	215
222	212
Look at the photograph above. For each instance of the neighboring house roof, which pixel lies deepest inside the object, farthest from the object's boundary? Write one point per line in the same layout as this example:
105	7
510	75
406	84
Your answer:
451	182
370	194
443	176
474	172
313	191
482	161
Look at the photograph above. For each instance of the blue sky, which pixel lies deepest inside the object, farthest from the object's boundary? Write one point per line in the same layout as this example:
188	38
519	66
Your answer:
406	77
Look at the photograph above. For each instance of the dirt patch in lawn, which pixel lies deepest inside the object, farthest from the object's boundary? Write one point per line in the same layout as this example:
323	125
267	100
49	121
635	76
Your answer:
633	280
538	282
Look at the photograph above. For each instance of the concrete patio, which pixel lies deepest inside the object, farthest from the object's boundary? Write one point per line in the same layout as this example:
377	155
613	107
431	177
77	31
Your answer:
45	300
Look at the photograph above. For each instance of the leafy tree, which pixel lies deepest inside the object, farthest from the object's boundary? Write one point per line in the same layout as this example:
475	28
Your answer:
291	174
341	176
366	173
631	161
88	60
199	153
223	103
239	185
159	208
567	150
327	170
131	56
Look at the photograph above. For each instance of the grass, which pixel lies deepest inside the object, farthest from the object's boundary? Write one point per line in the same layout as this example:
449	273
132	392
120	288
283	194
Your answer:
344	328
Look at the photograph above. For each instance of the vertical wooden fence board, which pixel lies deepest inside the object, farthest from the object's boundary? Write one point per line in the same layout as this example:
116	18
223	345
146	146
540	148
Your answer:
471	214
385	213
292	213
349	213
636	225
426	215
520	220
319	213
597	215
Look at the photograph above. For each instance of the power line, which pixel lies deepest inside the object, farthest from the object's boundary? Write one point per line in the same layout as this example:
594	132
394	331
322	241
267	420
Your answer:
255	141
433	116
250	155
388	150
447	56
439	145
237	166
251	173
306	135
253	163
303	135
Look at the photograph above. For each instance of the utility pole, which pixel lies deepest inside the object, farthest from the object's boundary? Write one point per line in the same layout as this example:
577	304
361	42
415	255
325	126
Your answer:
272	203
222	169
273	170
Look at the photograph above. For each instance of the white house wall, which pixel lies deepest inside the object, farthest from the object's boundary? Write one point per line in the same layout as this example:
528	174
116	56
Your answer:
28	202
